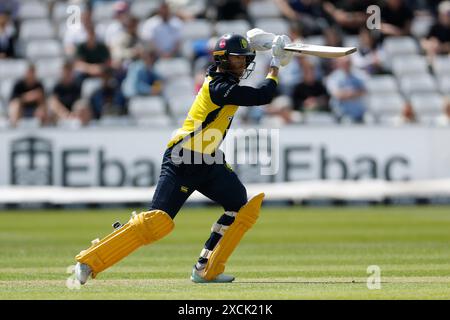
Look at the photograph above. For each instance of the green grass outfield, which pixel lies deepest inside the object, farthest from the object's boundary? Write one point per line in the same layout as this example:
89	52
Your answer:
291	253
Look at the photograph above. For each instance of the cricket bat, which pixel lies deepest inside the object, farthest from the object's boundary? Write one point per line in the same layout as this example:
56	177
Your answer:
320	51
262	41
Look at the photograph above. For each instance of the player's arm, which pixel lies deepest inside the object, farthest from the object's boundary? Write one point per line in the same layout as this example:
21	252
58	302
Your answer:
231	93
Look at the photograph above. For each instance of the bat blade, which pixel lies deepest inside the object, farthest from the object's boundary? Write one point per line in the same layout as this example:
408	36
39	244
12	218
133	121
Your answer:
320	51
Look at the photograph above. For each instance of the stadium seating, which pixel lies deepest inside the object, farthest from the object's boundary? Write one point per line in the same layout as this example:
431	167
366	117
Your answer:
415	83
37	49
32	10
197	29
36	29
146	107
173	67
155	121
3	109
263	9
6	87
232	26
441	65
42	29
103	11
409	64
179	87
395	46
385	104
382	84
430	104
142	9
12	68
179	105
59	12
273	25
444	84
319	118
49	67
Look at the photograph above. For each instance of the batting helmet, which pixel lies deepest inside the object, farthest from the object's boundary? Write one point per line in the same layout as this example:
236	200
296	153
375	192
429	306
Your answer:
233	45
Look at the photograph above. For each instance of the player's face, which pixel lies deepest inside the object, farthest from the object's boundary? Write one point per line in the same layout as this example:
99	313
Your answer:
237	65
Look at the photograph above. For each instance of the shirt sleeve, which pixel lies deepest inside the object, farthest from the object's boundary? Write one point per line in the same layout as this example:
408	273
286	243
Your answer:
223	93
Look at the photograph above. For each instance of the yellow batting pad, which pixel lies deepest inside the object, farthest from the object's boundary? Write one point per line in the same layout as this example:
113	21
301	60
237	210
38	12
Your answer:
142	229
245	219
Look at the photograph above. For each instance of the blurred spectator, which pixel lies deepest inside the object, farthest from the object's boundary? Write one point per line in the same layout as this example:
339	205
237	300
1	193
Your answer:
202	62
7	37
280	111
77	33
141	78
10	7
444	119
124	46
91	56
370	55
227	10
308	14
347	91
81	112
118	25
66	92
407	115
292	74
310	94
93	3
333	37
28	99
349	15
163	32
396	18
108	100
438	38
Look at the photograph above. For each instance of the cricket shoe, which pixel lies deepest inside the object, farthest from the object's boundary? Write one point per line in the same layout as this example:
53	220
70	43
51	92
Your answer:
196	277
82	272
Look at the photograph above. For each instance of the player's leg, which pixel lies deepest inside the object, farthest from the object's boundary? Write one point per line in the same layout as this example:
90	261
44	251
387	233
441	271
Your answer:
144	228
227	190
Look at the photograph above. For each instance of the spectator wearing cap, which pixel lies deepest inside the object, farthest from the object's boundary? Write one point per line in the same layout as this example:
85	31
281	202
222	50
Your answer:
163	32
437	41
28	99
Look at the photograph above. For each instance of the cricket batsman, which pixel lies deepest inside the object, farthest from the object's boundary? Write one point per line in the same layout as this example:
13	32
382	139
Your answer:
193	161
